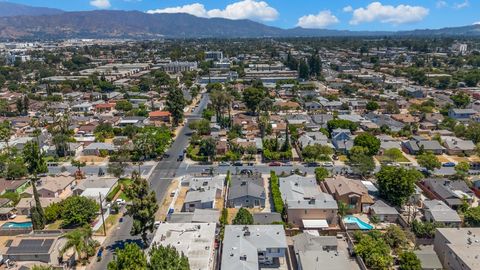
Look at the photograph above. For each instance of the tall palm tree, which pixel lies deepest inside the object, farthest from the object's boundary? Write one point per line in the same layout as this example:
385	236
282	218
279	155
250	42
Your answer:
81	241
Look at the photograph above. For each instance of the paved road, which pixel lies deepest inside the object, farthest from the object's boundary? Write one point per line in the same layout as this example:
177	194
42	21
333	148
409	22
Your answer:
160	179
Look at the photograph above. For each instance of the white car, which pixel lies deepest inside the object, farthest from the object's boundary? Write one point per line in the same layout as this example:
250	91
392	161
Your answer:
120	201
157	224
328	164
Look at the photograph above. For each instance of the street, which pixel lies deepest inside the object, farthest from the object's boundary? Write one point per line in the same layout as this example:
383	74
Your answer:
159	180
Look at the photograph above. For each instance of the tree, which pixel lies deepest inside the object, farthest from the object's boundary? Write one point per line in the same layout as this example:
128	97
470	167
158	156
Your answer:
340	123
429	161
143	206
207	148
361	163
78	164
461	99
372	106
303	70
461	170
252	98
321	173
78	211
409	261
167	258
393	154
472	216
342	208
202	126
424	229
317	152
130	257
175	105
243	217
116	169
396	185
81	241
373	250
395	237
123	105
36	164
369	142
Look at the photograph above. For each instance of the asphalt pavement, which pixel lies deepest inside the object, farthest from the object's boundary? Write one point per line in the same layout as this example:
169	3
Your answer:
160	179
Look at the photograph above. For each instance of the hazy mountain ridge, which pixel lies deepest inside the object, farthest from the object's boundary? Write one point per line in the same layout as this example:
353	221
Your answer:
8	9
139	25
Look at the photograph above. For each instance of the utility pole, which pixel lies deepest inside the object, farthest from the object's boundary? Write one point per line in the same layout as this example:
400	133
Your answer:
101	211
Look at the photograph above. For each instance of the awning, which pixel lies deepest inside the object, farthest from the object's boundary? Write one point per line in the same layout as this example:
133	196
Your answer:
314	223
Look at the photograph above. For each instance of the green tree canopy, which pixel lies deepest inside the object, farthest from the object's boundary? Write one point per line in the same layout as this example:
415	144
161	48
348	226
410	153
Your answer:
372	106
252	98
369	142
78	211
175	105
167	258
143	207
397	184
340	123
472	216
409	261
243	217
461	99
131	257
321	173
429	161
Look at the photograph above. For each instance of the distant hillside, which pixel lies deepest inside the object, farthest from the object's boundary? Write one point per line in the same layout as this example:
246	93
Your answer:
8	9
139	25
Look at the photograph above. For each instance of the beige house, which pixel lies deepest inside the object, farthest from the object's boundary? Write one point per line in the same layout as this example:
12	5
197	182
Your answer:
307	206
59	186
350	192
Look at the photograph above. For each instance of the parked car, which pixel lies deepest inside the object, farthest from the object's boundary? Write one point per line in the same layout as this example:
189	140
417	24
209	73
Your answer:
327	164
275	164
237	163
246	171
120	201
288	163
224	163
311	164
448	164
100	253
180	158
335	157
157	224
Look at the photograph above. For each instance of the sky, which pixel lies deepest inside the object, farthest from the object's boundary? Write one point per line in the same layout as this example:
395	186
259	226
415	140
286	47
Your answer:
391	15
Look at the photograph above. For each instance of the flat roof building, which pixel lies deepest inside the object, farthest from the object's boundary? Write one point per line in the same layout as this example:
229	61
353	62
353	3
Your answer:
458	248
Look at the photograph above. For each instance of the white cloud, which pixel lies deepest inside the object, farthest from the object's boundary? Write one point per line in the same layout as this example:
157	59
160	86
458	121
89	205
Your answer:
441	4
245	9
389	14
476	23
348	9
100	3
195	9
320	20
464	4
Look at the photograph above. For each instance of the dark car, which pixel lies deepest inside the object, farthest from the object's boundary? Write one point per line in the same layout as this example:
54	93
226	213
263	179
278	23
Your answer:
448	164
275	164
100	253
246	171
180	158
237	163
312	164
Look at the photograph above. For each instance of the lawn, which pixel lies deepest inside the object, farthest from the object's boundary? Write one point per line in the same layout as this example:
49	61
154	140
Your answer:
343	158
109	223
386	159
54	226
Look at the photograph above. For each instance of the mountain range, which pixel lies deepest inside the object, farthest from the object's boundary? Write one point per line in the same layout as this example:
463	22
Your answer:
19	22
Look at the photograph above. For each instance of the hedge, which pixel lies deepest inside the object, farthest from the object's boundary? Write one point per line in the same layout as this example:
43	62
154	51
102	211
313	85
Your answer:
275	192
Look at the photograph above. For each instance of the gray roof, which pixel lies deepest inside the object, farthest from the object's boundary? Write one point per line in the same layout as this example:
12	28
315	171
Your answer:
266	218
241	244
381	208
197	216
201	195
304	193
428	258
441	212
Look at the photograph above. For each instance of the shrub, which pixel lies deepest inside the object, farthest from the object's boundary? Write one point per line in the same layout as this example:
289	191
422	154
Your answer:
275	191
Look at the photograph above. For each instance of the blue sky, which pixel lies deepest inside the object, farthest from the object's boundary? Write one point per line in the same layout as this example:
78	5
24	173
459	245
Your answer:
331	14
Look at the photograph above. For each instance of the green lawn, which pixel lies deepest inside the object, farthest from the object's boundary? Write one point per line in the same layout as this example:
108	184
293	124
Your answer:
386	159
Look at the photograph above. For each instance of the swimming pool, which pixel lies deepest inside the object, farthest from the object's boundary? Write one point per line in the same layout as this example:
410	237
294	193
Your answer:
361	224
16	225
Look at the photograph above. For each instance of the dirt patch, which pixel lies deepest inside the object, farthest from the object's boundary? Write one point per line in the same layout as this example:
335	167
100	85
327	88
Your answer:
92	159
180	199
163	209
442	159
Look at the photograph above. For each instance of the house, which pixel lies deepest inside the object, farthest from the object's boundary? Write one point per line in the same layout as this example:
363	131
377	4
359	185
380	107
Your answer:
163	117
385	120
384	212
315	252
96	149
415	92
203	192
16	186
461	114
104	107
96	182
41	247
25	204
197	216
246	191
82	107
342	140
458	248
312	105
451	192
57	186
253	246
312	138
195	240
457	146
305	202
350	192
418	143
267	218
322	119
437	211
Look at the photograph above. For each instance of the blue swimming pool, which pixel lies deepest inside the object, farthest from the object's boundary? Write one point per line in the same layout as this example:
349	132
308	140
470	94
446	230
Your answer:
361	224
17	225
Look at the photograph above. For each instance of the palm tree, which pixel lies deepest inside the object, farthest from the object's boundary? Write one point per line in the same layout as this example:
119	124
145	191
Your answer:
81	241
